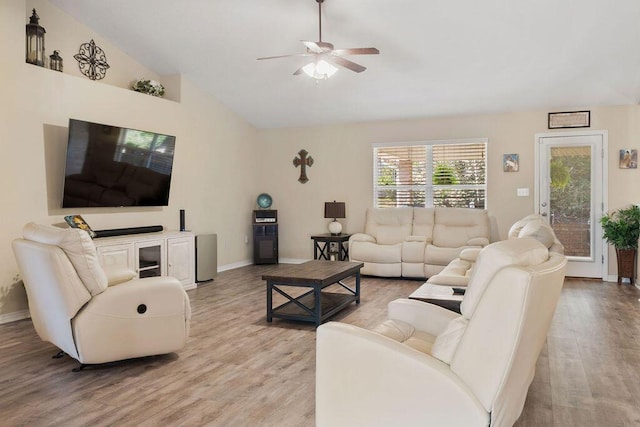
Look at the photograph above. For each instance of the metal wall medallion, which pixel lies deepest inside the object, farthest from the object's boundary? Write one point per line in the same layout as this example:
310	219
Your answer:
92	61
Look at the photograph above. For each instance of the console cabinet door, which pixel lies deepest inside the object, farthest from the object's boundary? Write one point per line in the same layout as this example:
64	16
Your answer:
118	256
181	259
149	258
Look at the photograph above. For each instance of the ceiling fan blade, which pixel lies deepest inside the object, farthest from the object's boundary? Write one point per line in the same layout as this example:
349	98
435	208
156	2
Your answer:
286	56
312	46
356	51
343	62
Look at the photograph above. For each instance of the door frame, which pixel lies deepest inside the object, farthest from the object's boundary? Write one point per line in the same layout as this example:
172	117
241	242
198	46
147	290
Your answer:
599	211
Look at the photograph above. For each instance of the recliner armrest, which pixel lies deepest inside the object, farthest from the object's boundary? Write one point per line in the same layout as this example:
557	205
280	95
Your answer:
470	254
117	275
366	379
421	315
478	241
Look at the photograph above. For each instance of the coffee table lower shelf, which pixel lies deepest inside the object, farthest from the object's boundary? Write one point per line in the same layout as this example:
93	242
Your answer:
330	304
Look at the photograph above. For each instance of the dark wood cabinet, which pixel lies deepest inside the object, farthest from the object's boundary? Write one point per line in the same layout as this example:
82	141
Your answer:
265	243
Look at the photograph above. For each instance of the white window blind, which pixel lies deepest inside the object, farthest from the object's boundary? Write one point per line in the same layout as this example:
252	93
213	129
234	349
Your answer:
441	174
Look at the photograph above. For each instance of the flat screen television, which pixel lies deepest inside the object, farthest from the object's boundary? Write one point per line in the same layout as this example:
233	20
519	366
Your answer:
111	166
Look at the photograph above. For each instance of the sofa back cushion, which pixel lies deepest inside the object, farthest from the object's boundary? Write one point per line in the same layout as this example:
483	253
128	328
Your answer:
536	226
522	252
423	220
456	227
389	226
78	247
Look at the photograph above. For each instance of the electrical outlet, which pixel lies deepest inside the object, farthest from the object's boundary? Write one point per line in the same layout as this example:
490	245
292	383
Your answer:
246	240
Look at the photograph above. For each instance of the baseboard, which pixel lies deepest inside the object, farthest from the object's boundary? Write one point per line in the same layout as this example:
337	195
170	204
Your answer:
12	317
234	265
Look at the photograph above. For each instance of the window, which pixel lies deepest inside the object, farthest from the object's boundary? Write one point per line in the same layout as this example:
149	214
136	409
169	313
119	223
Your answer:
431	174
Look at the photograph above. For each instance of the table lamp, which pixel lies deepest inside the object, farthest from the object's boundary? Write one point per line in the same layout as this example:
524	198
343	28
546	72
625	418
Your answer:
334	210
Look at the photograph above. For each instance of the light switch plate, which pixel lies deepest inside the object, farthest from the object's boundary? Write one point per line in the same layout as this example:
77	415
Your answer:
523	192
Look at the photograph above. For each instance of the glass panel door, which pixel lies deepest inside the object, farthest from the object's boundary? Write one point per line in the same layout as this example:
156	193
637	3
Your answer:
570	196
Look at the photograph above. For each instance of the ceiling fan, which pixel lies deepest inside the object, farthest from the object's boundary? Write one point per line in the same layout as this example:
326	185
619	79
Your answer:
326	57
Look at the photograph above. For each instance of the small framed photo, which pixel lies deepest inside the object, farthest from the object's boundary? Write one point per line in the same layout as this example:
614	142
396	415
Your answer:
628	158
570	119
510	162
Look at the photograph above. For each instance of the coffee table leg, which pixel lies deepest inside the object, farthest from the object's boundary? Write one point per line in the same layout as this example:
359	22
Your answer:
358	287
269	301
318	304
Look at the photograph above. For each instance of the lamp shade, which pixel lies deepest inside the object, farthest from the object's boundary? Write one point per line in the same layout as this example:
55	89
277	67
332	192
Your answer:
334	209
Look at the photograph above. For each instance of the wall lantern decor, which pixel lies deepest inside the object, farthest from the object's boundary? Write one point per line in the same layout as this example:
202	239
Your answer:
35	41
92	61
55	61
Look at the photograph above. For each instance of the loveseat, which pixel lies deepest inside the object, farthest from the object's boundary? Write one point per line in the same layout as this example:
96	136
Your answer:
416	242
428	366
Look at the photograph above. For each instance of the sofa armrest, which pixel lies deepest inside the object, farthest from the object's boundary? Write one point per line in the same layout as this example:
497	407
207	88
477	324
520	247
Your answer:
366	379
361	237
421	315
478	241
470	254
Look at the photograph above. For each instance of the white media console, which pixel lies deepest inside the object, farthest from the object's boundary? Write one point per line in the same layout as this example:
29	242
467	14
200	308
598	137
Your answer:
166	253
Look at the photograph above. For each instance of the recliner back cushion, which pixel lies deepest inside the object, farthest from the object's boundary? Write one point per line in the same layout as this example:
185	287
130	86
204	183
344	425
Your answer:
423	219
521	252
455	227
78	247
389	225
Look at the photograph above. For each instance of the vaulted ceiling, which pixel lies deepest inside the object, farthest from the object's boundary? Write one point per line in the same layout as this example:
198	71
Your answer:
437	57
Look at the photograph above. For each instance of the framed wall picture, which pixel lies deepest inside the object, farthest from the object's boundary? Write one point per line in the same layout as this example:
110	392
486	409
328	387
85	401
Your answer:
628	158
510	162
570	119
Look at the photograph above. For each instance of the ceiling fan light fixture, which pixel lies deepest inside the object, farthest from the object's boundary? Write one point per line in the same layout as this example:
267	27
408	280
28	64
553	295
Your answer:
319	70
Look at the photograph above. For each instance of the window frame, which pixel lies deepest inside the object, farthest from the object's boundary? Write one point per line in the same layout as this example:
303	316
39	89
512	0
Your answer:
429	186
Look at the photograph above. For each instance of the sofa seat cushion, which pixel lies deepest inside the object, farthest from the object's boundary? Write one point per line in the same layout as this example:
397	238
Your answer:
372	252
406	334
79	248
457	273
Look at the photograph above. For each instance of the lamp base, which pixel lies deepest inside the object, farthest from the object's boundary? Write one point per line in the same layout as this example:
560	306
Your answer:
335	228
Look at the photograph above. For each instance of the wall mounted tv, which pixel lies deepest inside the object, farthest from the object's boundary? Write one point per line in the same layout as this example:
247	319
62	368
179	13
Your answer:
110	166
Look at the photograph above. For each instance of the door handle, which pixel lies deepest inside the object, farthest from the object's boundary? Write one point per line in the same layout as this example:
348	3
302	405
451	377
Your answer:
543	214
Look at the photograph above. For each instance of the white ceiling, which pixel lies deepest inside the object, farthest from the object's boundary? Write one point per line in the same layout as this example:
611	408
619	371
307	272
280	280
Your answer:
437	57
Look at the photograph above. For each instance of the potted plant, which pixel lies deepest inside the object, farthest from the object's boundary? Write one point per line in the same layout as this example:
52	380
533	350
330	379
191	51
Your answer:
150	87
622	230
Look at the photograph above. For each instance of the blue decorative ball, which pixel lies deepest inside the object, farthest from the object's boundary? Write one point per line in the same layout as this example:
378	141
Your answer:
264	201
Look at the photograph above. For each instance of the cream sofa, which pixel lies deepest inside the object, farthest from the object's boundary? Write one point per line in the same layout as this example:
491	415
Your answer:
428	366
458	271
416	242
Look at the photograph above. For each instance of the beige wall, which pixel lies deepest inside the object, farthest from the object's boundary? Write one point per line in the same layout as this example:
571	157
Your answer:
221	162
343	162
214	175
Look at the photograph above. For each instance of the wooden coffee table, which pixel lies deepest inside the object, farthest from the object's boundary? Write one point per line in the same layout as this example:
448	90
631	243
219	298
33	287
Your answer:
315	305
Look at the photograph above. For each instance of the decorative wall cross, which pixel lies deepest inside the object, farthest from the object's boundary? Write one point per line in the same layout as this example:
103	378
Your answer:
303	161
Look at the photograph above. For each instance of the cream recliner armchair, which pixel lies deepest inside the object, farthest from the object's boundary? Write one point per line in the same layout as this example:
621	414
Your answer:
92	317
429	366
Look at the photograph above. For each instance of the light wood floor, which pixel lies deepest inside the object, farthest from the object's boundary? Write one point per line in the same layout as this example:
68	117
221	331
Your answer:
238	370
